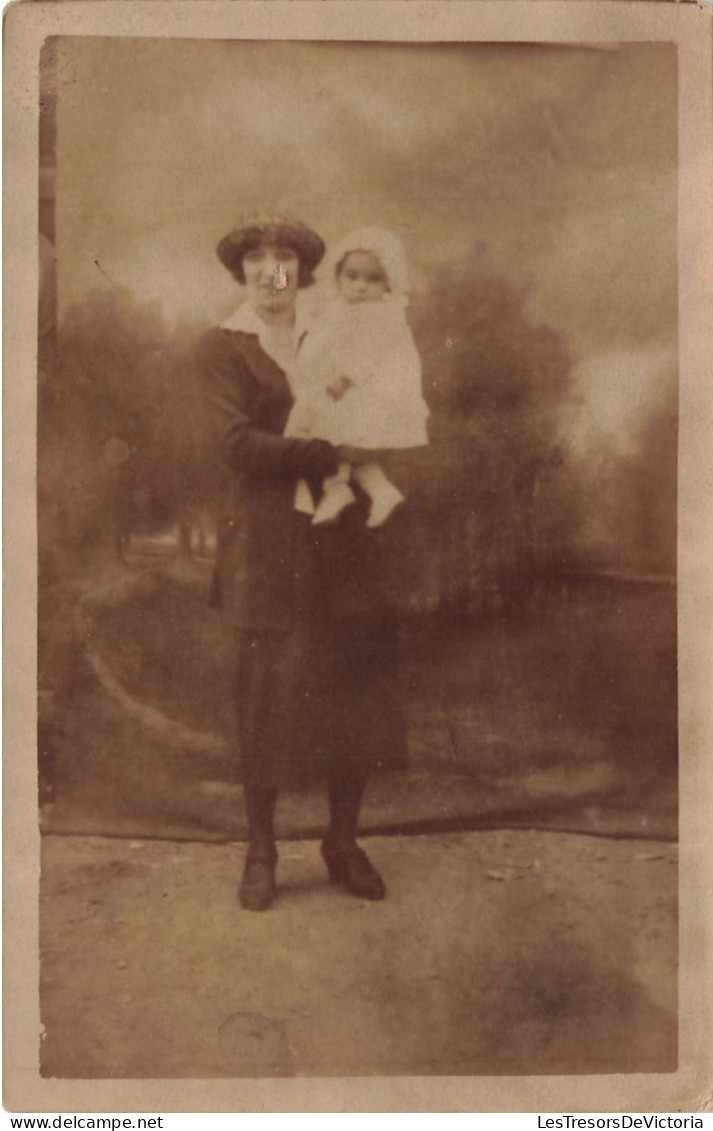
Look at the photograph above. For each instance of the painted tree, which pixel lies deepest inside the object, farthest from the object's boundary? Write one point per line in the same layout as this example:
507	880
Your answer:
499	388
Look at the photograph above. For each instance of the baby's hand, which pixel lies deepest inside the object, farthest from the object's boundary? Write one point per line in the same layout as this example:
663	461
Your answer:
339	387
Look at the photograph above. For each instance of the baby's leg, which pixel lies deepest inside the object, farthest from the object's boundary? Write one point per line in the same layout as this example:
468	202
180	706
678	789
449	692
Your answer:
304	503
384	496
337	496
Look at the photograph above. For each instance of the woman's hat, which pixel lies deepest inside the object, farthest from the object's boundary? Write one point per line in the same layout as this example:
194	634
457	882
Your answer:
279	231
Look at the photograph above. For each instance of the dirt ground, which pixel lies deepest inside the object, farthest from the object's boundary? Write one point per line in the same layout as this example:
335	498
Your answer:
496	952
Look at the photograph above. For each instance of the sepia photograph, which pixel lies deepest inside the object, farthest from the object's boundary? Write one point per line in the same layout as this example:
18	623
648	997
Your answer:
357	557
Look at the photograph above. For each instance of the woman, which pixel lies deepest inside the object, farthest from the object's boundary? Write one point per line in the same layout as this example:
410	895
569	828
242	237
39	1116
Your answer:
316	645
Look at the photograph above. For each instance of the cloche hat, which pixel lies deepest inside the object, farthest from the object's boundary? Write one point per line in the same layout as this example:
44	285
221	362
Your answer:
277	230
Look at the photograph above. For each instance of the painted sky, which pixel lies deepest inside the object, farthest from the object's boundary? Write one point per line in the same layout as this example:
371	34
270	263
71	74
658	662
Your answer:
562	159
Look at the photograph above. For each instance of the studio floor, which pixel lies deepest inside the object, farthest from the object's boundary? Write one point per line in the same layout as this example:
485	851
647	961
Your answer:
495	952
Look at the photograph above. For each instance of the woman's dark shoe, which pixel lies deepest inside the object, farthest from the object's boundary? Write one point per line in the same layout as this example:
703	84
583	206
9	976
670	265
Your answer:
257	887
349	865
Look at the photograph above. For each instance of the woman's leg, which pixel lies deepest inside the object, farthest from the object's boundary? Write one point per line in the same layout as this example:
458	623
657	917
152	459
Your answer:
257	888
260	808
346	862
345	798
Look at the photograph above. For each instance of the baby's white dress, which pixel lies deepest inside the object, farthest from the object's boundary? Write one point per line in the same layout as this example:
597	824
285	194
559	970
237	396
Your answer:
370	344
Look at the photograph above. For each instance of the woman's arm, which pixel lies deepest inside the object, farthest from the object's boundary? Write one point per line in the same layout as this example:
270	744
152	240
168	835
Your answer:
358	456
226	380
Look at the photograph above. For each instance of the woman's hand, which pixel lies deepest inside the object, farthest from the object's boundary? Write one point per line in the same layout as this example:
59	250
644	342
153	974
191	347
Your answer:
339	387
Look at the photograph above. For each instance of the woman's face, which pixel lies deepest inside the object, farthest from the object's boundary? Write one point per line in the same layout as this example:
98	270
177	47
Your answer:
271	277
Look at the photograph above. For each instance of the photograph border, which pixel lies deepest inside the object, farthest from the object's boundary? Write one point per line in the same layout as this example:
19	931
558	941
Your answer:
27	24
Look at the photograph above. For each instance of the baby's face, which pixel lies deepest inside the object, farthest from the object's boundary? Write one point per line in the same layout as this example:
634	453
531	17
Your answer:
361	278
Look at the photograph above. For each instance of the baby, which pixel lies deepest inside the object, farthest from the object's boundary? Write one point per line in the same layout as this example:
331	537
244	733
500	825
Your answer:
358	380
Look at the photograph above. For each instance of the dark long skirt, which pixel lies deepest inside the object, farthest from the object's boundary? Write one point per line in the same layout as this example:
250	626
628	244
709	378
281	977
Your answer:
322	699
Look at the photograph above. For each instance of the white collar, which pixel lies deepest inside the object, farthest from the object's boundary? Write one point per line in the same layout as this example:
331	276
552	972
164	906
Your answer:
282	346
248	321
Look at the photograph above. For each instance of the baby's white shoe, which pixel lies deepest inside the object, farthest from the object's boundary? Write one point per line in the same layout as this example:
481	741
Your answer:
304	503
384	504
336	499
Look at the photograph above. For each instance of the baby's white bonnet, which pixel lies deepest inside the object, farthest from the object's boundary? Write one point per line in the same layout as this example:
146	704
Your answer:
387	248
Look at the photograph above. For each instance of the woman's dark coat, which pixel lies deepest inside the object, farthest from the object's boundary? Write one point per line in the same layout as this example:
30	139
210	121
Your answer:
249	400
316	685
